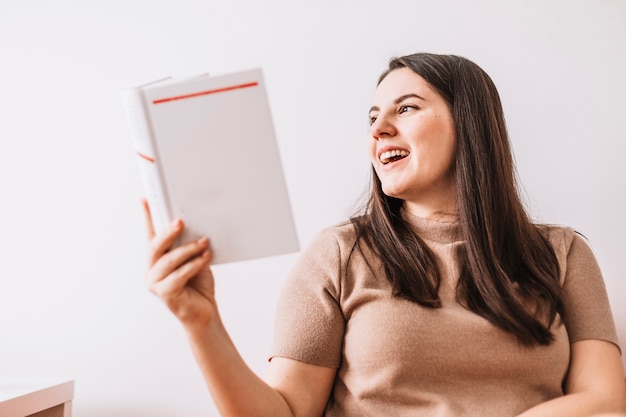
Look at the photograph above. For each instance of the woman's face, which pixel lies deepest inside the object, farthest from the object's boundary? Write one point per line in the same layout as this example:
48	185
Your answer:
412	143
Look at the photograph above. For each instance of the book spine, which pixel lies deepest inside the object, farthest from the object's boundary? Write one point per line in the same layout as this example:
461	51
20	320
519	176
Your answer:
142	136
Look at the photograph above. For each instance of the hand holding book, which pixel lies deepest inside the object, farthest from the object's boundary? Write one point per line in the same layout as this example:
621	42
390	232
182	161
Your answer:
181	276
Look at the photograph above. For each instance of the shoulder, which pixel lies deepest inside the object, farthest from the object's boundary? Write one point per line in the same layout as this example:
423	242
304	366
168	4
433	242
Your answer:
332	253
328	250
339	239
571	248
560	237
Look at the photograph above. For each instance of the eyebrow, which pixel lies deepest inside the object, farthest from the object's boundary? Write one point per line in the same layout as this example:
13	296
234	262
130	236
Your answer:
399	100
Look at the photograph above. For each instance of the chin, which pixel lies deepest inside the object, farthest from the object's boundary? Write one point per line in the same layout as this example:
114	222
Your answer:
390	192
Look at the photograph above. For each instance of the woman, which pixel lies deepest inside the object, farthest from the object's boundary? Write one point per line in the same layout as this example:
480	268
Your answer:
440	299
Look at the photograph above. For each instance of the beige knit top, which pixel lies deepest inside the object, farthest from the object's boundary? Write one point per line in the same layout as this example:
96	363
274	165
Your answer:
397	358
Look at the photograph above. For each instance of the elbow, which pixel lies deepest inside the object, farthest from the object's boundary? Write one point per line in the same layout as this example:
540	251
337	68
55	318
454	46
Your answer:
621	406
614	404
620	402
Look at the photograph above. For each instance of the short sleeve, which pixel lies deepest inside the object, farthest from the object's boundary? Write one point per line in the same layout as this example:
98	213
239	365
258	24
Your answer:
309	324
587	312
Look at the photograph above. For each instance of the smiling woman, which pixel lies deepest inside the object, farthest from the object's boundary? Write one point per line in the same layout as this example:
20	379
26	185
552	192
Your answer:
440	298
413	144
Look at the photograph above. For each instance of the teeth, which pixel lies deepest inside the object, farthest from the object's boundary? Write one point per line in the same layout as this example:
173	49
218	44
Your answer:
386	157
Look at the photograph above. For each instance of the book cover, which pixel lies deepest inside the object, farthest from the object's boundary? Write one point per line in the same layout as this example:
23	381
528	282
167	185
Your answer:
208	154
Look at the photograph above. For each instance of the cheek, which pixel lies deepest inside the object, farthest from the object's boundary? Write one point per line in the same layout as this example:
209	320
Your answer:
444	144
437	154
448	156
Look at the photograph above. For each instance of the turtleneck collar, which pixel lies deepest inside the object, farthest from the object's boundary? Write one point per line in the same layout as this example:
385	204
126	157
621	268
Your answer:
434	230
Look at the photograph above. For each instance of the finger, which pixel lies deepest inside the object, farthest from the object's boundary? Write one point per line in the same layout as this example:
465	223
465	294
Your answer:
148	217
173	285
176	259
162	242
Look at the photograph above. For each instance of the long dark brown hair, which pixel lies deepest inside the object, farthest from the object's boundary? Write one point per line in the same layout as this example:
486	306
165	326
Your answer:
509	271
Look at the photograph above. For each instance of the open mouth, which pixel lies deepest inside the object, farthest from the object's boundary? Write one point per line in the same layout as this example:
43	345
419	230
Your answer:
392	156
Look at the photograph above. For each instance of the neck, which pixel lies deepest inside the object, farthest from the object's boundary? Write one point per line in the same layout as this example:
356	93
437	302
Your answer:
448	213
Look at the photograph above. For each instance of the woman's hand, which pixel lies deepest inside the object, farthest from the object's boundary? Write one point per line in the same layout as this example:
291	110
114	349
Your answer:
181	277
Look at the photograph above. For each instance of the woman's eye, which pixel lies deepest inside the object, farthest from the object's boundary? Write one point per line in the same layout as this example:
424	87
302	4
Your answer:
406	107
372	120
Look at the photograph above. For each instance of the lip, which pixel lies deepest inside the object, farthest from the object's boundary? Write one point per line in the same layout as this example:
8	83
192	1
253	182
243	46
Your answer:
390	165
384	149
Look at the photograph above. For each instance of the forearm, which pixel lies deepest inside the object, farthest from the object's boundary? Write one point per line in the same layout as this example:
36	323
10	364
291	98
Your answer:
583	404
235	388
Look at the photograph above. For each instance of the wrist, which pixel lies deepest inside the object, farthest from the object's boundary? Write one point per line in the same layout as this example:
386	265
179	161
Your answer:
201	328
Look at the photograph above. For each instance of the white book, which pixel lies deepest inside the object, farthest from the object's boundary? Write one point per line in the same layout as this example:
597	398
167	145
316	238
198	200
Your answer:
208	154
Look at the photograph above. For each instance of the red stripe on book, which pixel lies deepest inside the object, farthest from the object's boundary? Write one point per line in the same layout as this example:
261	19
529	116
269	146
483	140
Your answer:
146	157
204	93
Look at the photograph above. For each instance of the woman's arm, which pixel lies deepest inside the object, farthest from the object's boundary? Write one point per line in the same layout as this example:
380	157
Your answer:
182	278
292	389
594	384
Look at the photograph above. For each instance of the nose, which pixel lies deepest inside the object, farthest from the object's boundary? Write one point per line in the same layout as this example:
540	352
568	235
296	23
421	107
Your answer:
382	128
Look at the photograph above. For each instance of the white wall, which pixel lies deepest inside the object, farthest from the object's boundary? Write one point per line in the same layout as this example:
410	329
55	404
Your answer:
72	297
